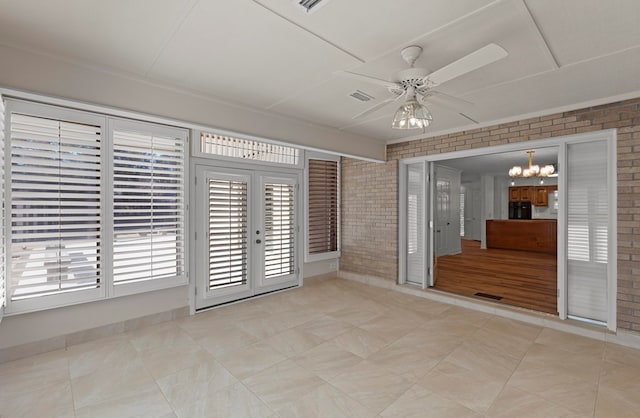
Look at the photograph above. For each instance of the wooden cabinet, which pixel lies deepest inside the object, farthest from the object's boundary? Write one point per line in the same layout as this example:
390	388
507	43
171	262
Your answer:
527	235
521	194
537	195
540	196
514	194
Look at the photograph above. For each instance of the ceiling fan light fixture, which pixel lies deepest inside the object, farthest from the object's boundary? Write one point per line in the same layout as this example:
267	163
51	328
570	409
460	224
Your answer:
412	115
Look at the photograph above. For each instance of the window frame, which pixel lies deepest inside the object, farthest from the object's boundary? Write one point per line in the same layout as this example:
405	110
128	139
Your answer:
107	288
329	255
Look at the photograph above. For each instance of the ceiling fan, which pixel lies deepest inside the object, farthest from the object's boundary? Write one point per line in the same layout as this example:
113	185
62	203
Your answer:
417	84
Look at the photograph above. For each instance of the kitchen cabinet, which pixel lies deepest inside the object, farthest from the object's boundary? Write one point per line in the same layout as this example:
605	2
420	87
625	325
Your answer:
541	196
521	194
538	235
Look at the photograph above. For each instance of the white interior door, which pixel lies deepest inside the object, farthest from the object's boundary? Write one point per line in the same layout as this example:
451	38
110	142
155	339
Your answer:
246	241
447	211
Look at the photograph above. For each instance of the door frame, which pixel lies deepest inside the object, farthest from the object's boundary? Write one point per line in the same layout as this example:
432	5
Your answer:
214	164
561	142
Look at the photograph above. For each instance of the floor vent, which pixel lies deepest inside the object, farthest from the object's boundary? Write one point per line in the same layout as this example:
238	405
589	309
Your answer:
488	296
310	6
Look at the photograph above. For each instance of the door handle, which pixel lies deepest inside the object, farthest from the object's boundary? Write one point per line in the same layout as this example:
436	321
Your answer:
258	241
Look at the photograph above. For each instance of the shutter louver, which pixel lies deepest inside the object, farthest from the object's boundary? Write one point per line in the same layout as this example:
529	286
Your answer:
322	230
148	206
228	233
587	226
279	230
55	206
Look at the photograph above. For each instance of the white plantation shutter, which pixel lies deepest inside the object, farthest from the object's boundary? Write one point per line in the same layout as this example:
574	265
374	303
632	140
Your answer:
415	223
148	202
587	224
3	276
279	234
228	233
56	234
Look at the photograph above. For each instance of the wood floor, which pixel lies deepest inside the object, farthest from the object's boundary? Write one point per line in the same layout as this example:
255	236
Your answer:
519	278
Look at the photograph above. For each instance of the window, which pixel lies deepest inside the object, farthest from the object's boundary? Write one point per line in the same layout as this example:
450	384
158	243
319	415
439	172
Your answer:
148	202
79	225
322	209
246	149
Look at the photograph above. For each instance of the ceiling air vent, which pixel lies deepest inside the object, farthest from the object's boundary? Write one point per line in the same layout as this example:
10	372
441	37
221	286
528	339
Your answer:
310	6
362	96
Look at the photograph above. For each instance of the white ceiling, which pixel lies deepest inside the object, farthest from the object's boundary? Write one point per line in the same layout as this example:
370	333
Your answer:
270	56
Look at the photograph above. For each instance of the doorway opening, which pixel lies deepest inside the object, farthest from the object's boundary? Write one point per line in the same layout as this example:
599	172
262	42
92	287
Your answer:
541	243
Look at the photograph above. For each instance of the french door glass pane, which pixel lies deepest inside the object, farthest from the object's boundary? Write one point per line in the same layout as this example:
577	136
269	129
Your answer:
228	233
279	230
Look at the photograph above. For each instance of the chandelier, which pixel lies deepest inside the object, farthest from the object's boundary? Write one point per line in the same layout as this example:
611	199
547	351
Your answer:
533	170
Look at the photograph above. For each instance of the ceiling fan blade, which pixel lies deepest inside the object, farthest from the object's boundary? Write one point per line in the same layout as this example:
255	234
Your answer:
379	106
368	79
445	100
452	103
483	56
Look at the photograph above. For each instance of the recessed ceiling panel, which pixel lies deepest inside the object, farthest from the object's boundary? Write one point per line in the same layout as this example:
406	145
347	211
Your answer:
241	52
120	34
616	74
370	28
507	24
578	30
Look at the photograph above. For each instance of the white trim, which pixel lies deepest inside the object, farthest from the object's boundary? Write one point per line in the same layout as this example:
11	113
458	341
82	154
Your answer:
116	112
606	134
546	112
561	260
612	319
308	258
403	221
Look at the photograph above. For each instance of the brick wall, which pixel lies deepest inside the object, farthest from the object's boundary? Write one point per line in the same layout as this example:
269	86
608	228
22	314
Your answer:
369	192
369	218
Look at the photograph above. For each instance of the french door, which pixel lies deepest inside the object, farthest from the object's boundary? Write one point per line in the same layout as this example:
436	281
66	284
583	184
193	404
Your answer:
247	237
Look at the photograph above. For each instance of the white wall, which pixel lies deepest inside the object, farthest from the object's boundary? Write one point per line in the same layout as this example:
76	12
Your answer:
36	326
52	76
316	268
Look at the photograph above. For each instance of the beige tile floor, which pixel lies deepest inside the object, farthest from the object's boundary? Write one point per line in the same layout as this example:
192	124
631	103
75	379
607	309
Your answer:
333	348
